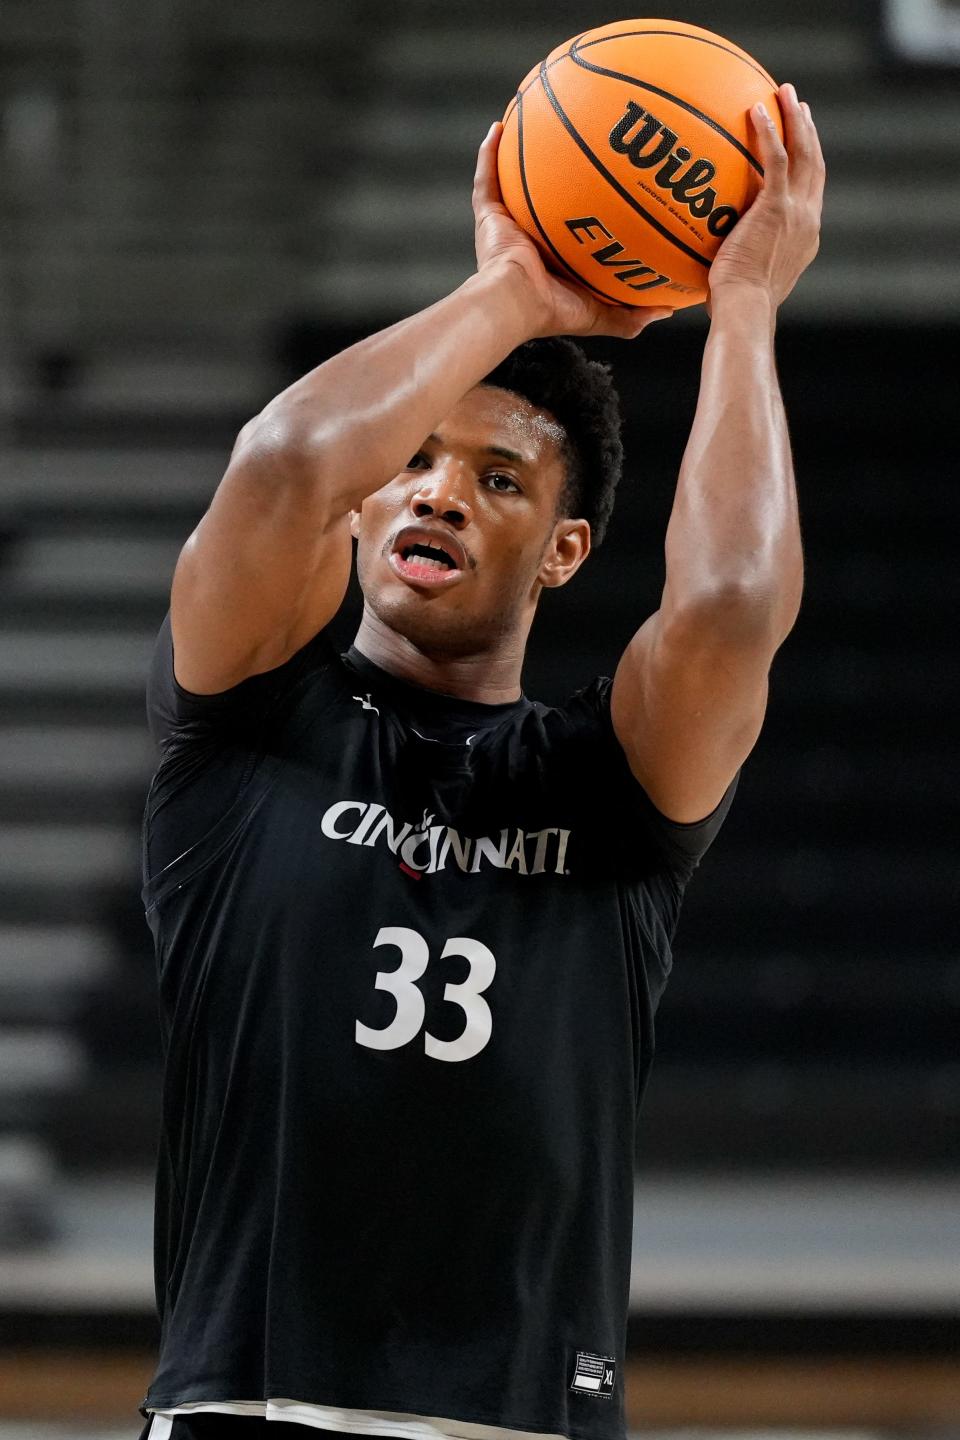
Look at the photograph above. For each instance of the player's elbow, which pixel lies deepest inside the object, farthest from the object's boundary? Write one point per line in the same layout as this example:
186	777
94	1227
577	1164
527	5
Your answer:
278	452
742	612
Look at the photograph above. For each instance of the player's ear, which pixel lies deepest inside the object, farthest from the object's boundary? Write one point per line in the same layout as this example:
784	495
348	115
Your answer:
355	524
568	548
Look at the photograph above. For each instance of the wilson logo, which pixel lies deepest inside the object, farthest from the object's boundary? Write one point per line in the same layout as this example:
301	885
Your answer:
649	144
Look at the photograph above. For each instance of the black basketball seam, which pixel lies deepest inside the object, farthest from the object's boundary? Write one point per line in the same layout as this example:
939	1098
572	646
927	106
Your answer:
555	61
614	183
674	99
626	35
679	35
536	219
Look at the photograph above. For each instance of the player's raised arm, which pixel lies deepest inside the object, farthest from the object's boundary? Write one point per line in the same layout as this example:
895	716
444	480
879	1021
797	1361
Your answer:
268	564
690	691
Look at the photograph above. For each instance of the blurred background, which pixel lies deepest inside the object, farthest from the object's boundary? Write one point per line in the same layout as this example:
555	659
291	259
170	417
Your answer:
201	200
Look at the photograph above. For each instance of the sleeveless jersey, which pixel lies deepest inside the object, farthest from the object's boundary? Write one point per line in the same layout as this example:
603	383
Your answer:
409	952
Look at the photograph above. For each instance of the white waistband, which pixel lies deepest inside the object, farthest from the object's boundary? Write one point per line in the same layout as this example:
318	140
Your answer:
352	1422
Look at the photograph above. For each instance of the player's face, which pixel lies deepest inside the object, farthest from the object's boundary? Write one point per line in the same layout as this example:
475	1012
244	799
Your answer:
454	551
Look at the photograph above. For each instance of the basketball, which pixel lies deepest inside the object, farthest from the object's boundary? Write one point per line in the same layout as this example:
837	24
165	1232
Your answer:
628	155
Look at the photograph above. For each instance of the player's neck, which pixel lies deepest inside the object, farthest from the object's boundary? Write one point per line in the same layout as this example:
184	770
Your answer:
489	676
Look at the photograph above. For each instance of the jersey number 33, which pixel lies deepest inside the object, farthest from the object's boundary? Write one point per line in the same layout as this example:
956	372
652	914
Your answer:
401	983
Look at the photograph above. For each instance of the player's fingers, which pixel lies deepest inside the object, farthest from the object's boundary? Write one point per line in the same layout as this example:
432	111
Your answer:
486	183
640	322
818	168
796	130
627	323
773	155
807	171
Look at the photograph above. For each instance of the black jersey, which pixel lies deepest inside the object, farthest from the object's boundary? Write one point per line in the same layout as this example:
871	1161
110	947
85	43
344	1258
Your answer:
409	953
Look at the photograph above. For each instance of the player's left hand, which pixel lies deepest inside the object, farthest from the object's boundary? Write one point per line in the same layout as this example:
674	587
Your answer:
780	234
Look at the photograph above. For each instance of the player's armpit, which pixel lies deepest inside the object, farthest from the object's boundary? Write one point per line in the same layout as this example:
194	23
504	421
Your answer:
263	572
687	706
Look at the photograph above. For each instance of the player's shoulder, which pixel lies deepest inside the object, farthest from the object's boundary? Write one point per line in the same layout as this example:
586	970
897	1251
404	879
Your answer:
175	713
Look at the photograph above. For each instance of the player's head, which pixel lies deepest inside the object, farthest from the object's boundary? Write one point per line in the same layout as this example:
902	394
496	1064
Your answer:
510	490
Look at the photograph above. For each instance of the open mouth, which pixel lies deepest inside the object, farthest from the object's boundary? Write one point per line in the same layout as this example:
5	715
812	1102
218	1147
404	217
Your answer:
426	560
433	555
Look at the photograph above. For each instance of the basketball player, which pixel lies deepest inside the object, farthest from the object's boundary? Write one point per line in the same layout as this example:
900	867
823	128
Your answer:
412	926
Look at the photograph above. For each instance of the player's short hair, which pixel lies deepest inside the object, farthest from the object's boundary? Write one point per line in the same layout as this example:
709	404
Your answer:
555	375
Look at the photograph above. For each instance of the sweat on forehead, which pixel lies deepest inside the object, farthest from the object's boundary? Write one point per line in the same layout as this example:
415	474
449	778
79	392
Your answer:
526	418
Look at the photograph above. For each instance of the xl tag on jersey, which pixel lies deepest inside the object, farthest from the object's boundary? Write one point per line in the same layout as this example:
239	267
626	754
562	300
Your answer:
594	1374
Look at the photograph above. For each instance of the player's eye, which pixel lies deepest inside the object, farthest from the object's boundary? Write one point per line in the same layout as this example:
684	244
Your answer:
419	462
503	484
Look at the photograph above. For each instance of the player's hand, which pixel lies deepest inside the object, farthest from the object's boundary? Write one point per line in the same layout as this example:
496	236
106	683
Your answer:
778	237
561	307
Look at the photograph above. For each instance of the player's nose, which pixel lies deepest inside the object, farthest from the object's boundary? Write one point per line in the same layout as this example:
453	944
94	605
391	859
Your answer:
442	492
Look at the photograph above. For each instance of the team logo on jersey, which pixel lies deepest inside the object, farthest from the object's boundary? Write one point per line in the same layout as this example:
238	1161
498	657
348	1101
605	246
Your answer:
594	1374
424	847
366	702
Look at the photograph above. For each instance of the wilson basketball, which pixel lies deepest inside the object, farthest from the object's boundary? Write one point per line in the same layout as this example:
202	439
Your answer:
628	155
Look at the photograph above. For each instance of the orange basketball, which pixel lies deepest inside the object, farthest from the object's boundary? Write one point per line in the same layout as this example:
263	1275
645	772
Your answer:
628	155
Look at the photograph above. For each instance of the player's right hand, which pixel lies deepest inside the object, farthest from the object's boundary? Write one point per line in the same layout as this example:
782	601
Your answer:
779	235
562	307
